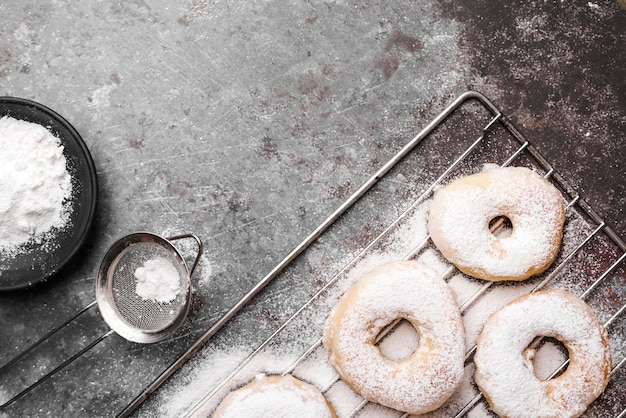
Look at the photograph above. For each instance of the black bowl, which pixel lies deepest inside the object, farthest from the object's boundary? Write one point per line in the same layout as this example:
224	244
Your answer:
34	263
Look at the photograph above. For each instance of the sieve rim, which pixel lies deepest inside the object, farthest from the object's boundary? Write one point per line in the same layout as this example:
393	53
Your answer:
105	298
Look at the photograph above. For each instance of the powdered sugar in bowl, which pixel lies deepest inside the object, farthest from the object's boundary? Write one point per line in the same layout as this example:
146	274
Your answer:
48	192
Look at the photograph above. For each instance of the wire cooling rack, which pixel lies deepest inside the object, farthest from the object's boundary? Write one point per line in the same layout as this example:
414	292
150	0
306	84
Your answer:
590	264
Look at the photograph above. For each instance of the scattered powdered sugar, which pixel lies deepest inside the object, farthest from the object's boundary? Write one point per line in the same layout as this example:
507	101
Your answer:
211	373
400	244
157	280
188	248
548	359
34	181
207	370
276	397
497	297
400	343
343	399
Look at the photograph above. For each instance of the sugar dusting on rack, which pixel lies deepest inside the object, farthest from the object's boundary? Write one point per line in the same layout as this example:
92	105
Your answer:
208	370
276	397
283	351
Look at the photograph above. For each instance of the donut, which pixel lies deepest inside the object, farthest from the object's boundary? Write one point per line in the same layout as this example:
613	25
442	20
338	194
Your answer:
275	397
410	290
504	369
461	212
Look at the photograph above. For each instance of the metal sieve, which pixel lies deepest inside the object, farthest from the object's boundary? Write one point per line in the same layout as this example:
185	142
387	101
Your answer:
129	315
137	319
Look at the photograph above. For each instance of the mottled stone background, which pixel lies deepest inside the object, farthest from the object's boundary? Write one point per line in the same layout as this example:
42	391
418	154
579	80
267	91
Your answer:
250	122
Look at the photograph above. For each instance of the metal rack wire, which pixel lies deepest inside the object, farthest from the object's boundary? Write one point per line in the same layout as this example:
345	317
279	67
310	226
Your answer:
573	204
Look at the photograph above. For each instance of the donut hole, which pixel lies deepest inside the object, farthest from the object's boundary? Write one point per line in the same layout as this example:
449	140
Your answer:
398	340
501	226
548	357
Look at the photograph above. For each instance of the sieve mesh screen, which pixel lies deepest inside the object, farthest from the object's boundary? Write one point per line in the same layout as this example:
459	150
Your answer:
147	315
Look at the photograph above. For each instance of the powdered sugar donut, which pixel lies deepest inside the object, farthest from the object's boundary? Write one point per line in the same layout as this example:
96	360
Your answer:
275	397
461	212
504	368
411	290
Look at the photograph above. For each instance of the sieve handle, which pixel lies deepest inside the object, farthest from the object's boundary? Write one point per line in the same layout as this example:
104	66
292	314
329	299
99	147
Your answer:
200	249
55	370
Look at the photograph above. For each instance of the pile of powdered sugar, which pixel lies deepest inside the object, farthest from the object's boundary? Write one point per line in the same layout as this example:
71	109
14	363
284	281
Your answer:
35	183
157	280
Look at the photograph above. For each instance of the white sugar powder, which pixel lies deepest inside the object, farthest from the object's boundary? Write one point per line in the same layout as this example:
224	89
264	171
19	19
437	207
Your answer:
275	397
460	215
415	291
34	183
508	377
219	359
158	280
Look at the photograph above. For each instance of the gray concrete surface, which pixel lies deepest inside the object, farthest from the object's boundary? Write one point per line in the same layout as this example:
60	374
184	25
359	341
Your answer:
248	123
